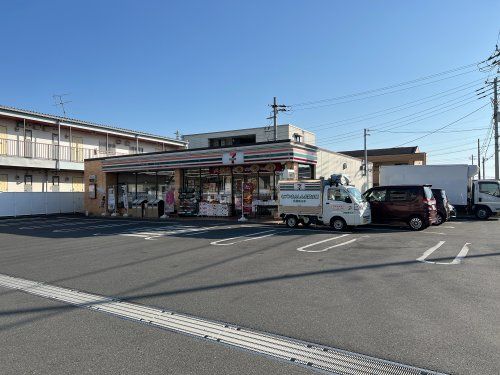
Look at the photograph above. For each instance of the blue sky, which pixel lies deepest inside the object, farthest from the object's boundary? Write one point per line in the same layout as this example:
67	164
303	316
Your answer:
194	66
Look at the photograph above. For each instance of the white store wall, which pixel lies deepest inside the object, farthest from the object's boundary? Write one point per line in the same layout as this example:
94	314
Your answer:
330	162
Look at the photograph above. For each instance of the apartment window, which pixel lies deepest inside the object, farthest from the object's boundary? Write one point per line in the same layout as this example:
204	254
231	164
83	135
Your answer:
297	137
111	149
241	140
55	180
28	179
133	150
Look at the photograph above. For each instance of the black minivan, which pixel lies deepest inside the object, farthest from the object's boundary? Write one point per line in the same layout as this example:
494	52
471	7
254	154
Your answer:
442	206
411	204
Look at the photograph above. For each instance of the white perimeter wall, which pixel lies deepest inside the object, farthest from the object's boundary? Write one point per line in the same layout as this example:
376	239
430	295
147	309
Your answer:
17	204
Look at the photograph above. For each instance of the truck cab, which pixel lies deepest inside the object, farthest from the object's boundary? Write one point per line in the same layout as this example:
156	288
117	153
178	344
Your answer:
486	198
330	202
344	205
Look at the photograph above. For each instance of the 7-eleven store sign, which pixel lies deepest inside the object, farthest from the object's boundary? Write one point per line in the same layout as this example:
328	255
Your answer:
233	157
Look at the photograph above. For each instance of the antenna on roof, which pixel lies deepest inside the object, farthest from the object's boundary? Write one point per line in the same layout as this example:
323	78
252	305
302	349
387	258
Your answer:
58	100
177	134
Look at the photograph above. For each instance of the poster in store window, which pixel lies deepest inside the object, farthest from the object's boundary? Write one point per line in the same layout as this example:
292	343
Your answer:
248	189
111	199
170	200
124	196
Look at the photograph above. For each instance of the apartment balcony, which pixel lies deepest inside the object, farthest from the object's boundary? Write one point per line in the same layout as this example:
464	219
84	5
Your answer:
30	154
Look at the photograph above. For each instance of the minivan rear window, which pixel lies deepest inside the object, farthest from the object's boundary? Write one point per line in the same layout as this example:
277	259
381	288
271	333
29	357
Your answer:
428	192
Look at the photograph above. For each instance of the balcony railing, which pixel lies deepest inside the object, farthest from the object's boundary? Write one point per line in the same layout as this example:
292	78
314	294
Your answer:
46	151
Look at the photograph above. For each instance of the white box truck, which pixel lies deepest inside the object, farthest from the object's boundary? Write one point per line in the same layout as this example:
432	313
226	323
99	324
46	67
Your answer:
481	197
327	202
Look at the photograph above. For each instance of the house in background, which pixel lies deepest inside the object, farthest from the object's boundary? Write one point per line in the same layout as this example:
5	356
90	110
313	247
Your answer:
390	156
42	153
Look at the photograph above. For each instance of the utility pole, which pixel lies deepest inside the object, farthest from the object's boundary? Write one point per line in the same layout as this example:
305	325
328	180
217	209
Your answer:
495	118
484	168
472	157
276	108
366	160
479	158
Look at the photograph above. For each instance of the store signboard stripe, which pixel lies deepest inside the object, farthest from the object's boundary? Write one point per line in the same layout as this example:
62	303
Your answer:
311	355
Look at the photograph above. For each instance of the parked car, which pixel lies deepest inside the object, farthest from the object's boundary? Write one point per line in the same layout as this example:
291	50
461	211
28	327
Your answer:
412	204
442	205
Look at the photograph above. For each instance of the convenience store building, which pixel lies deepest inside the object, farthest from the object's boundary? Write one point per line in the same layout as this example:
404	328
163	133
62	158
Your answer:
218	180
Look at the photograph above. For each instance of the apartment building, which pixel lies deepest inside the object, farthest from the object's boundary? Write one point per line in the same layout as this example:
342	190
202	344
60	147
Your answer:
45	153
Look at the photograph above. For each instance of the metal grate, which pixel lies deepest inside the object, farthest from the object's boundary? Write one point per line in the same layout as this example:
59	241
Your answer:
311	355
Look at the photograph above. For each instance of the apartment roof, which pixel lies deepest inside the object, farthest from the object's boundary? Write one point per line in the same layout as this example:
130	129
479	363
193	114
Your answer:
65	121
383	151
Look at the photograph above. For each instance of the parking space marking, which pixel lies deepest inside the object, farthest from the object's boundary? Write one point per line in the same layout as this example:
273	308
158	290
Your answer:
429	232
59	224
447	227
153	234
303	248
458	259
101	226
462	254
430	251
247	237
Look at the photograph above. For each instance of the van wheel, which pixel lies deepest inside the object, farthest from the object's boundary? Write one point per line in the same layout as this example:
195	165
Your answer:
439	219
338	224
291	221
482	213
416	223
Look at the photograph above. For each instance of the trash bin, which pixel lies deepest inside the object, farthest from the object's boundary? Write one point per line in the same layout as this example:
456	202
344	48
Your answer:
138	207
156	207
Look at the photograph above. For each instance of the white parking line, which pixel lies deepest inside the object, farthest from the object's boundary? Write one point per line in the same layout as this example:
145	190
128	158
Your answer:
155	234
461	255
428	232
430	251
303	248
458	259
92	227
58	224
447	227
249	237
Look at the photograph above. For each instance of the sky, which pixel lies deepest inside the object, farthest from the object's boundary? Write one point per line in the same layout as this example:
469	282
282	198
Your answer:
197	66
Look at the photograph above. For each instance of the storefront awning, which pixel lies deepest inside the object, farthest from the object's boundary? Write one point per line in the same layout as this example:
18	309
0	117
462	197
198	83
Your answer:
277	152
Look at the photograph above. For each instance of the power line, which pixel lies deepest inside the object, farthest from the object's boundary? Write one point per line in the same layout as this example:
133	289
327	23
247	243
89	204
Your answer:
423	132
403	106
445	126
423	116
387	87
381	94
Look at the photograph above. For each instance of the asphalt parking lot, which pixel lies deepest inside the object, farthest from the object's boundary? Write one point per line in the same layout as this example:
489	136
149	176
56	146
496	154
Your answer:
427	299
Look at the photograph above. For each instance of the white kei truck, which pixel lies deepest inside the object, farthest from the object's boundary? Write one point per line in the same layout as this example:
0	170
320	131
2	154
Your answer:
480	197
327	202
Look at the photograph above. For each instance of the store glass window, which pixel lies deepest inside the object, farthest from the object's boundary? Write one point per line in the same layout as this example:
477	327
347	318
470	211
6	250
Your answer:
305	172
